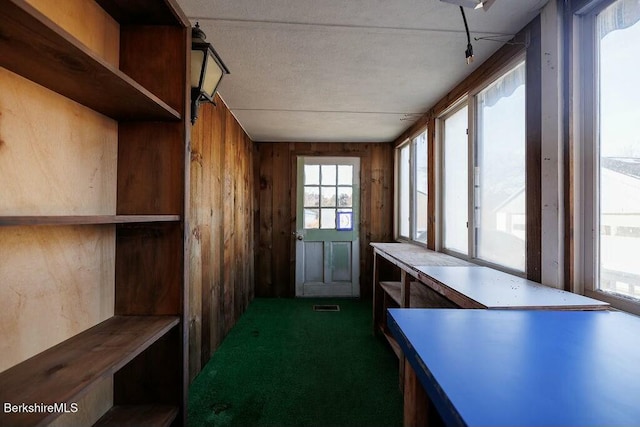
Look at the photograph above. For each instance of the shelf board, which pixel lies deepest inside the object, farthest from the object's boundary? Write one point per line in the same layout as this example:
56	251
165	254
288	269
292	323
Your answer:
393	289
421	296
138	416
145	12
7	221
393	343
34	47
64	372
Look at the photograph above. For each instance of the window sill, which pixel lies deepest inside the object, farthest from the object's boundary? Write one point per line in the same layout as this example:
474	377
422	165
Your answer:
619	302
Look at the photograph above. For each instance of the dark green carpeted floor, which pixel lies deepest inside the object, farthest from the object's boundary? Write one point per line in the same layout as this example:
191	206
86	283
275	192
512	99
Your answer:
285	365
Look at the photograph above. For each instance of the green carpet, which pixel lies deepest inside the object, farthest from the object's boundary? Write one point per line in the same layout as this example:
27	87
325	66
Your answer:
284	364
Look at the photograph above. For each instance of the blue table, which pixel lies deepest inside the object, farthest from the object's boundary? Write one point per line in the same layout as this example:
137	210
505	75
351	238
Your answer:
524	368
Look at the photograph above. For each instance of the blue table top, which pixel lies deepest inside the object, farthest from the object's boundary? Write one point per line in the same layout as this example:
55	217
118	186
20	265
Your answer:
517	368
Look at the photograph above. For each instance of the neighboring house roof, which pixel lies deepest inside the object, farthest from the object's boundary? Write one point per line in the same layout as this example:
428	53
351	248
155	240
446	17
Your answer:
620	177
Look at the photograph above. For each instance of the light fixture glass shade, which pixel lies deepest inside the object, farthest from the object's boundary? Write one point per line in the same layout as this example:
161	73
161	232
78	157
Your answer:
197	60
212	76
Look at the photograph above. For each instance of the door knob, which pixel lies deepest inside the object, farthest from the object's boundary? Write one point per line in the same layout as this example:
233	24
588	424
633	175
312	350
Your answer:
299	237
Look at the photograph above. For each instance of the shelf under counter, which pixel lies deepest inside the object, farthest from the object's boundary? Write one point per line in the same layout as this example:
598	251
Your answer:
65	371
36	48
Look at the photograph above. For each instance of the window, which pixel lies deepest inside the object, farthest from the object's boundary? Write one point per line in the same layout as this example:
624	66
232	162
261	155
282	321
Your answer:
486	222
328	196
455	177
500	171
411	189
612	157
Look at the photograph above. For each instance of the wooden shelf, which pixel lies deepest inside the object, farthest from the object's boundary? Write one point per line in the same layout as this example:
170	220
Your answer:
138	416
144	12
393	343
8	221
64	372
421	296
34	47
393	289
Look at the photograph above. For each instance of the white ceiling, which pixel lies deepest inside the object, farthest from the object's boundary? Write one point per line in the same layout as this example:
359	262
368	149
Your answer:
344	70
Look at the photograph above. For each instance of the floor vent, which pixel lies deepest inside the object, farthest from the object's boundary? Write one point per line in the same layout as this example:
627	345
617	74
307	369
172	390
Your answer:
326	308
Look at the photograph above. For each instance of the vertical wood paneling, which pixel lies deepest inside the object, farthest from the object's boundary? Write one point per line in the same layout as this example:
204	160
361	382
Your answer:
229	212
264	282
221	228
281	229
275	257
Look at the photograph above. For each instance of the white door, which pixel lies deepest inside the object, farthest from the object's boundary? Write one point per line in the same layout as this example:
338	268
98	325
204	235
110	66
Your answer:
328	212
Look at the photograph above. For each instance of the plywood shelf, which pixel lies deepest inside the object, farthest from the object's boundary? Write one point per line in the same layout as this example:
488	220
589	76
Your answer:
393	289
393	343
138	416
34	47
8	221
64	372
144	12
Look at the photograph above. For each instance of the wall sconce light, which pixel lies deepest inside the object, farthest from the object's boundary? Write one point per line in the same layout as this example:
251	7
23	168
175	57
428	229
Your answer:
207	70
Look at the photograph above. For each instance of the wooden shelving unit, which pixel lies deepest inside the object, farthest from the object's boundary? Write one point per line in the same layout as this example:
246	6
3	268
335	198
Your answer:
7	221
63	372
142	348
37	49
139	416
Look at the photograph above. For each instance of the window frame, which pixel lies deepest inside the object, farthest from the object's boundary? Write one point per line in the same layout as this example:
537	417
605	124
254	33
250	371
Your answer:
470	101
440	142
586	192
411	142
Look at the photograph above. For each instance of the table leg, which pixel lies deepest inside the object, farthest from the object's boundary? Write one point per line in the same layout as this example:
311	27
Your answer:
378	295
416	402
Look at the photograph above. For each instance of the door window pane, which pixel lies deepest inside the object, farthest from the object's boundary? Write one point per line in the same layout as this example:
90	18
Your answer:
328	196
403	190
420	186
311	174
345	175
345	197
311	196
311	218
500	194
619	148
456	184
328	174
328	218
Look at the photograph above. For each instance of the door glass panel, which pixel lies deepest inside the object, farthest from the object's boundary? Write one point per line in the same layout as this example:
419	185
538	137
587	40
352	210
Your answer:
311	218
311	196
311	174
328	219
328	174
345	175
345	197
345	219
328	198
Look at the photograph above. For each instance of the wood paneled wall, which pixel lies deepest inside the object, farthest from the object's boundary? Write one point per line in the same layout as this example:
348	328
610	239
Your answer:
221	229
275	254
